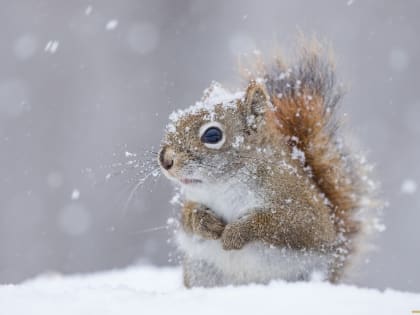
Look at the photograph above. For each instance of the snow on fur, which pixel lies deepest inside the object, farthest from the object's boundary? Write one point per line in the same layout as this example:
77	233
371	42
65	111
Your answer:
214	95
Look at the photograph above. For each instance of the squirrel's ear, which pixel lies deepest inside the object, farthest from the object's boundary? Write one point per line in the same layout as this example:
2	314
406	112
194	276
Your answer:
256	99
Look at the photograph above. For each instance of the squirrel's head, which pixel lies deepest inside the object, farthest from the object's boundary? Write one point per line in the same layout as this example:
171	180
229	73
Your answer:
210	141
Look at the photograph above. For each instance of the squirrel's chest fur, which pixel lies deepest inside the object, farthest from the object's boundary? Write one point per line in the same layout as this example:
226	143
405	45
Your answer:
229	200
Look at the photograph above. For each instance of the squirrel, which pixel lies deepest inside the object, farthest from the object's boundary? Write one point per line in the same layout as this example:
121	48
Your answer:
269	189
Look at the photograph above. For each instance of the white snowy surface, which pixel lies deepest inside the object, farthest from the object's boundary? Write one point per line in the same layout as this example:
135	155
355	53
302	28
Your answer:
150	290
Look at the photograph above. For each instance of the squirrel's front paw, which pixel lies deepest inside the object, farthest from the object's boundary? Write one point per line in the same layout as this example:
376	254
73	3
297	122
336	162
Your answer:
234	236
206	224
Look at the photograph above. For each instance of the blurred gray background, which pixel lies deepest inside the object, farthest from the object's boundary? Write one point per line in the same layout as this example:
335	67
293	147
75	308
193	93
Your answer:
82	82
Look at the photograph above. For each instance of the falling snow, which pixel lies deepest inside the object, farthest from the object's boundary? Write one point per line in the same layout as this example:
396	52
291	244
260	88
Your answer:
408	187
52	46
88	10
111	25
75	195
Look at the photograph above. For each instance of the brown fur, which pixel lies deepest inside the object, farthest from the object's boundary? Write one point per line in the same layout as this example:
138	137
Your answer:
305	100
294	108
201	221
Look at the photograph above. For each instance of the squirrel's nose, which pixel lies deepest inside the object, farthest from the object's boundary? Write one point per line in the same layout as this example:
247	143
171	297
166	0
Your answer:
165	160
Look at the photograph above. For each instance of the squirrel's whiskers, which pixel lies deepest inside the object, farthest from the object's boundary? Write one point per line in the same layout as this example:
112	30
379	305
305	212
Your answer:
138	183
139	168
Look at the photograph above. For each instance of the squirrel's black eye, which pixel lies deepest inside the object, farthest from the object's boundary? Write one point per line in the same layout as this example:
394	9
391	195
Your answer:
212	135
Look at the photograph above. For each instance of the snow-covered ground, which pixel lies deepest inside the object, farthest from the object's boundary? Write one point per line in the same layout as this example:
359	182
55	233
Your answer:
150	290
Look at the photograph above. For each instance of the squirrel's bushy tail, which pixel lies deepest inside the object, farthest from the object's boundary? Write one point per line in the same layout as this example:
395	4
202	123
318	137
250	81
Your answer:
305	95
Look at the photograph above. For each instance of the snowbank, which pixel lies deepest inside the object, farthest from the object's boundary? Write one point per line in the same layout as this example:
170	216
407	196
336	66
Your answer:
149	290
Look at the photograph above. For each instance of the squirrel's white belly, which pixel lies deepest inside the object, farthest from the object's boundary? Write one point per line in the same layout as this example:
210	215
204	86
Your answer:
229	200
255	262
